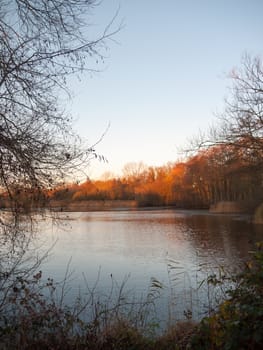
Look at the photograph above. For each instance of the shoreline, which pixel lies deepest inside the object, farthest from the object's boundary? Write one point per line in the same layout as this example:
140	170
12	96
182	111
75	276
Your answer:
92	205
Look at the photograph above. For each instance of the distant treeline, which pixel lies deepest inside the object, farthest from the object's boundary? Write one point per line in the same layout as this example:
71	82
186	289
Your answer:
219	173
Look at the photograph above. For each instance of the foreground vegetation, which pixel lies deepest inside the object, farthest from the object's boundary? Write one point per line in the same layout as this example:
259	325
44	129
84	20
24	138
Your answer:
31	318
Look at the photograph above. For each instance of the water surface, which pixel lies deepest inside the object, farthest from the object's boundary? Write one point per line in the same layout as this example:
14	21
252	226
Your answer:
178	248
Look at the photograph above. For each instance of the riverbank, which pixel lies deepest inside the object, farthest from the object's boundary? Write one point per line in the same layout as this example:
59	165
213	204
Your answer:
101	205
239	207
92	205
221	207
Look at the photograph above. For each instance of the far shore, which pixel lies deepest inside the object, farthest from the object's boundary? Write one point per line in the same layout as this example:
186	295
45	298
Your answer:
92	205
102	205
221	207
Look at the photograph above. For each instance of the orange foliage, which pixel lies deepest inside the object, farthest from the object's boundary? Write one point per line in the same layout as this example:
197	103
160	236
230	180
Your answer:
218	173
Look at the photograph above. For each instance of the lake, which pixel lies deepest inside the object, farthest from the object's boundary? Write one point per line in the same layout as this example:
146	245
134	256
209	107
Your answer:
174	249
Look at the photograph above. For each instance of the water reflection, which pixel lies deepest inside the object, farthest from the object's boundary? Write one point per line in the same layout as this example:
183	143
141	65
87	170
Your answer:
178	248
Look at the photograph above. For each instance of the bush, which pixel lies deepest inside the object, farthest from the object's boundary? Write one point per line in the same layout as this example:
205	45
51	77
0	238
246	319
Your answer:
149	199
238	322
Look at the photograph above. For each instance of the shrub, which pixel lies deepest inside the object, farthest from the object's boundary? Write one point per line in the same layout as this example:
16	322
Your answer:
238	322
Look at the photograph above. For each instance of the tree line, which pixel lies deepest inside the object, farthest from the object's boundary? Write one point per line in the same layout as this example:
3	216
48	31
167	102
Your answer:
218	173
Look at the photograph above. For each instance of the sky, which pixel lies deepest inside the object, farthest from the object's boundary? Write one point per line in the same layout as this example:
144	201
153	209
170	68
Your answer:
164	78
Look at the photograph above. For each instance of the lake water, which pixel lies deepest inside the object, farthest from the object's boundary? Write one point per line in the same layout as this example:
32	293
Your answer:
177	248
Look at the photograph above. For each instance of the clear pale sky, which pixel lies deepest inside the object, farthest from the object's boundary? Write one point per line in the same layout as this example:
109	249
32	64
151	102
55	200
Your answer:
165	77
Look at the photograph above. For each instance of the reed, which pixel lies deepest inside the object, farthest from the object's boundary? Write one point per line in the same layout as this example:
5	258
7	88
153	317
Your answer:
34	315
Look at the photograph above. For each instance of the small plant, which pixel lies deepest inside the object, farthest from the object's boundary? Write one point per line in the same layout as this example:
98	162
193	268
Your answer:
34	317
238	322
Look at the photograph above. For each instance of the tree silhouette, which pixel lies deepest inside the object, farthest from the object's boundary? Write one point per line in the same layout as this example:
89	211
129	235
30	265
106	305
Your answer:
42	43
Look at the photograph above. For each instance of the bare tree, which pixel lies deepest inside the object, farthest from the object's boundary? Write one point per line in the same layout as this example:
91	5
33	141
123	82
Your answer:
133	171
42	43
239	130
241	123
